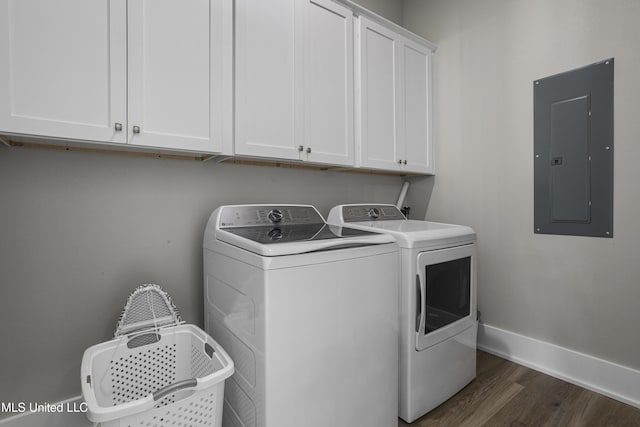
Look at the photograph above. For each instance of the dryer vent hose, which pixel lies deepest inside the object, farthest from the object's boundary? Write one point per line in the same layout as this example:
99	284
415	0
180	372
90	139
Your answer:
403	194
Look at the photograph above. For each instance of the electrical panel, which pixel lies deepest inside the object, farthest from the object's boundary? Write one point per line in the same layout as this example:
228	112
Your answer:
573	152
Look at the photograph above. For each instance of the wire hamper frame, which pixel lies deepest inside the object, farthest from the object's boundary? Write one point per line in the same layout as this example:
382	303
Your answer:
163	375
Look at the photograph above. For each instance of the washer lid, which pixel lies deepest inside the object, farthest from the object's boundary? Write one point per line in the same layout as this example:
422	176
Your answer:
276	230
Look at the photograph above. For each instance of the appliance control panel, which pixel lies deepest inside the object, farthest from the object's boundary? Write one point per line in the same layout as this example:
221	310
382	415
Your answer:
355	213
268	215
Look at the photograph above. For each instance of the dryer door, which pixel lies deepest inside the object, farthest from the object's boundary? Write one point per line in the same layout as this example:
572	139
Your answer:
446	287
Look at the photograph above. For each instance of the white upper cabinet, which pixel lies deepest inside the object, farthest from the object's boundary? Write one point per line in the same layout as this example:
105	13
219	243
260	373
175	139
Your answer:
326	61
416	77
63	69
379	138
294	80
394	103
176	93
306	85
141	72
264	73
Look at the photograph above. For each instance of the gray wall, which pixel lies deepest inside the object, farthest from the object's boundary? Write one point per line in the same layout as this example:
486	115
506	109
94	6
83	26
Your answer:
80	231
577	292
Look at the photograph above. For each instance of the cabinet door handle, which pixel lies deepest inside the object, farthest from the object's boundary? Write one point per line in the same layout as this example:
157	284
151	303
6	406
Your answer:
136	129
404	162
418	303
308	150
118	127
300	148
399	161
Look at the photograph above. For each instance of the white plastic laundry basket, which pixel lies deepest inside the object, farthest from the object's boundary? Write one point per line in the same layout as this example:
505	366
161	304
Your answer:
156	372
170	377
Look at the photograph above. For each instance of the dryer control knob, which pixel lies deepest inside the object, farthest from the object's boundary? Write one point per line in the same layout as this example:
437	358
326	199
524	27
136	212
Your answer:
275	216
374	213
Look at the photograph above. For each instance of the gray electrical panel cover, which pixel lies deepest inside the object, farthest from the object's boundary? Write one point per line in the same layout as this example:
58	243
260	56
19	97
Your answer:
573	152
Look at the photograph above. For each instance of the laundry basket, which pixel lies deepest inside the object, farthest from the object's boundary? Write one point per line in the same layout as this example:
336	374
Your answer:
156	376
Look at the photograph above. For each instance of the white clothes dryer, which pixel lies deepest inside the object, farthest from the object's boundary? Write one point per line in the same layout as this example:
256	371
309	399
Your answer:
308	313
438	320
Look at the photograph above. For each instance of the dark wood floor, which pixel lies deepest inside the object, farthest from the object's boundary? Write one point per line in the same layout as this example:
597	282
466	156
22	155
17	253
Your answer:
507	394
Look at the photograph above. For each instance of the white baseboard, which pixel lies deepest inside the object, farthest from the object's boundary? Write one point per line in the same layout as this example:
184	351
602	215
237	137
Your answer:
68	417
610	379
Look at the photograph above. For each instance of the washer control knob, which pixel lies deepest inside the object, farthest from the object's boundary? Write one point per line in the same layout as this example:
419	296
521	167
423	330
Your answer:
374	213
275	216
275	234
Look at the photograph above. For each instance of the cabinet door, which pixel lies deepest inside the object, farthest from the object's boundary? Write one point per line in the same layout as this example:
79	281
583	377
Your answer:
63	68
380	139
265	81
175	74
416	96
326	64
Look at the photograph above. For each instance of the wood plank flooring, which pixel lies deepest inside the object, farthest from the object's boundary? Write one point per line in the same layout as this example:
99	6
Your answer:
508	394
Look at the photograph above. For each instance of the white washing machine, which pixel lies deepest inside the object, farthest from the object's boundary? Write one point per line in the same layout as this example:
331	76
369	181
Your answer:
308	313
438	321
